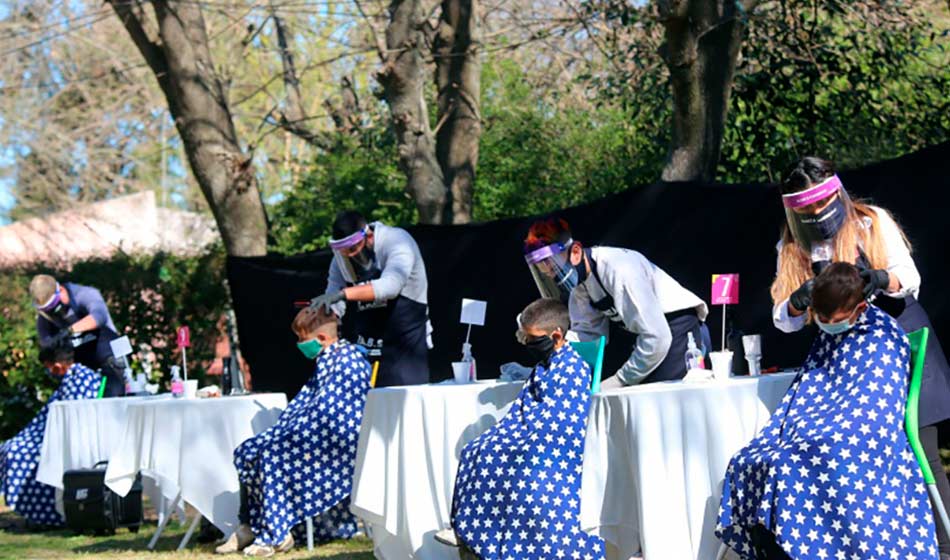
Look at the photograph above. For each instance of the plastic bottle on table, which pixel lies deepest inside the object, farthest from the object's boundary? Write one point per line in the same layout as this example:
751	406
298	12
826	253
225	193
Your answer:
469	359
694	356
178	388
127	373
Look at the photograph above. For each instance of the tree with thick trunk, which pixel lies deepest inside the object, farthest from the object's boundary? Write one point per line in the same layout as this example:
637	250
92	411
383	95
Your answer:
458	78
439	164
175	46
403	79
702	44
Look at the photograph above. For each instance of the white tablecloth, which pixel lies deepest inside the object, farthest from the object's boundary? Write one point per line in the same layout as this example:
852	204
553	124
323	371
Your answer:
409	447
188	445
655	458
81	433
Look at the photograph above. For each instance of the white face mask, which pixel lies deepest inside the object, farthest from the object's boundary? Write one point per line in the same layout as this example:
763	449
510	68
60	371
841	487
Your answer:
840	327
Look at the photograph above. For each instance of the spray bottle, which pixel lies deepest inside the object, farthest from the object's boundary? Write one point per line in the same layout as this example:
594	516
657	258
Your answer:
694	356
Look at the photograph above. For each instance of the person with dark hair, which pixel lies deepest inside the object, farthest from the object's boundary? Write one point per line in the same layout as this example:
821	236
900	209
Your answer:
380	270
604	284
19	456
302	466
517	493
825	225
79	314
832	474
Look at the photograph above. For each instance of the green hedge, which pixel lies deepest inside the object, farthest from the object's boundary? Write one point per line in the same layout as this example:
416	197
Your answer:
149	297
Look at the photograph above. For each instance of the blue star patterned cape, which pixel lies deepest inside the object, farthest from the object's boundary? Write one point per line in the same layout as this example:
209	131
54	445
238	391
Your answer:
832	475
517	493
303	465
19	456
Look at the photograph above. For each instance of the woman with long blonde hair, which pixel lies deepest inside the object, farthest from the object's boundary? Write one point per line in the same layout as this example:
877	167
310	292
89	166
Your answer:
824	225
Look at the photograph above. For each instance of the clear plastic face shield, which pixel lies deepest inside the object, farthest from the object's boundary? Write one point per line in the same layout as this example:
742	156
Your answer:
54	309
815	215
552	270
354	256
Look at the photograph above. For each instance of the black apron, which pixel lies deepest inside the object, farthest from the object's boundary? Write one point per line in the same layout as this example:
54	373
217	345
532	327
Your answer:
935	386
680	322
934	404
395	334
96	353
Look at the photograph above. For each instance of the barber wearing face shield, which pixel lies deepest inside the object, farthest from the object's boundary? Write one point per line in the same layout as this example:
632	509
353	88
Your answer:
78	314
604	284
380	270
824	225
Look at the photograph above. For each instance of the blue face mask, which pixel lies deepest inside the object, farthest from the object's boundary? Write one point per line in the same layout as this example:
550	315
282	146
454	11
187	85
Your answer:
840	327
310	348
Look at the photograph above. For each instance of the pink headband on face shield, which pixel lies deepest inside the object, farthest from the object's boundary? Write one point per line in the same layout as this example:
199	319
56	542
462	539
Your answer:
52	302
348	241
820	191
539	255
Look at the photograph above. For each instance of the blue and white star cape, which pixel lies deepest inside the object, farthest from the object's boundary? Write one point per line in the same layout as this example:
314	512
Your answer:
517	494
303	465
20	455
832	475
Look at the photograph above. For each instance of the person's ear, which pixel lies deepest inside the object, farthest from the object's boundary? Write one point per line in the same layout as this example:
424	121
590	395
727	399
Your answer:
861	307
577	253
370	235
557	337
322	338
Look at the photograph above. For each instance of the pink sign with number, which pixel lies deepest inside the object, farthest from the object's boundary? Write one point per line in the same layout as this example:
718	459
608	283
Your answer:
725	289
184	337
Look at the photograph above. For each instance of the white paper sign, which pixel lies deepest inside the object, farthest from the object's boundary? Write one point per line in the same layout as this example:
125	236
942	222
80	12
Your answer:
473	312
121	347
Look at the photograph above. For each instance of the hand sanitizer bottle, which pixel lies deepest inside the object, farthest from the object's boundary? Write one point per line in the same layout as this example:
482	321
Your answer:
694	356
178	388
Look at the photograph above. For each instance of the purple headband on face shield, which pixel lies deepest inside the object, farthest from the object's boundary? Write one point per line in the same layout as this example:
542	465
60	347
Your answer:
820	191
348	241
52	302
545	252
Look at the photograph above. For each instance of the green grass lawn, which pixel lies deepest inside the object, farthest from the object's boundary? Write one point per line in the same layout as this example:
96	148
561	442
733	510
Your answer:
17	543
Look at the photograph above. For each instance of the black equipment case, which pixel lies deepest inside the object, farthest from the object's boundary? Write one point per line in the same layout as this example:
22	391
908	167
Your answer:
91	506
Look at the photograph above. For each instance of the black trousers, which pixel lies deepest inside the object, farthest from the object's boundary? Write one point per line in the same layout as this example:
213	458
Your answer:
764	545
244	513
929	438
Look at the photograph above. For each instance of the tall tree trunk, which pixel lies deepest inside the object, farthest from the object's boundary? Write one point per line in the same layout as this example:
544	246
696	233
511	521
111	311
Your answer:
458	78
403	79
293	117
703	38
181	61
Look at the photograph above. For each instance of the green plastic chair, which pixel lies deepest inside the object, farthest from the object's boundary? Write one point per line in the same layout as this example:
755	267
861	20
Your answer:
593	354
918	349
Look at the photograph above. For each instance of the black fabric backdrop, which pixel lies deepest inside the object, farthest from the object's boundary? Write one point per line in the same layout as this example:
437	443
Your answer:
689	230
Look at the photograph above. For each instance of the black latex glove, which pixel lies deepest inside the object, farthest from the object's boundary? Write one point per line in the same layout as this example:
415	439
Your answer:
875	280
327	301
61	338
801	298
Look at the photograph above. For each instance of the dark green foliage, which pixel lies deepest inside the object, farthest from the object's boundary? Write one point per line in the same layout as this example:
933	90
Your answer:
853	82
534	157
